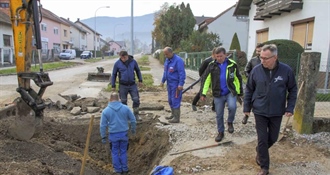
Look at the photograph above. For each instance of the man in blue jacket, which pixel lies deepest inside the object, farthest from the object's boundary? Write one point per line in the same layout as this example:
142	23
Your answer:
175	75
125	68
271	92
114	121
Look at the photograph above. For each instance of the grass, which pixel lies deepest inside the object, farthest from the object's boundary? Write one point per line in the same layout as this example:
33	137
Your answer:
143	61
322	97
148	82
142	68
46	67
93	60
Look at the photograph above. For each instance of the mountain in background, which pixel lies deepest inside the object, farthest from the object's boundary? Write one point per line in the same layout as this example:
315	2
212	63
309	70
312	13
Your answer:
119	28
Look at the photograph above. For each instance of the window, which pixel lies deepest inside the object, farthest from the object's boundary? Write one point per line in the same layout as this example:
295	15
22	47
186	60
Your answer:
7	40
65	33
82	36
55	30
302	32
43	27
4	5
262	36
57	48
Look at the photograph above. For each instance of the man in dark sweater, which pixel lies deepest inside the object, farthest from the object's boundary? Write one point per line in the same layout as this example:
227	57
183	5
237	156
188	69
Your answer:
253	61
201	70
271	92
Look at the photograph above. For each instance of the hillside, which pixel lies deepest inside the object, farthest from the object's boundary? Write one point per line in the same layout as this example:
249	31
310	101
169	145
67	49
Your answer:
120	27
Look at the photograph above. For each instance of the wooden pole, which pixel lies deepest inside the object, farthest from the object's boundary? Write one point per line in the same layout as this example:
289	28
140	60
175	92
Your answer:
82	170
204	147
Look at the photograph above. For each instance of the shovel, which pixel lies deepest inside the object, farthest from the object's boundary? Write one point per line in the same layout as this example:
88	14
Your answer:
287	120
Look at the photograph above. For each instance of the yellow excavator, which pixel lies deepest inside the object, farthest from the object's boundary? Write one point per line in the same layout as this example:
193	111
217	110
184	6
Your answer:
28	109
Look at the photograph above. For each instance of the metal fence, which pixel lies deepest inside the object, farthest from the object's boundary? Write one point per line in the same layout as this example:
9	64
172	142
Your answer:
7	57
322	105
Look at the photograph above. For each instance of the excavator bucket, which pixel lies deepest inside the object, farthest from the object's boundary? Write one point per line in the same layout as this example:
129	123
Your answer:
99	76
24	121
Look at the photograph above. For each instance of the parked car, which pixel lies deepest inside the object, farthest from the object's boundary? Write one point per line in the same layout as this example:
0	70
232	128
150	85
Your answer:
68	54
86	54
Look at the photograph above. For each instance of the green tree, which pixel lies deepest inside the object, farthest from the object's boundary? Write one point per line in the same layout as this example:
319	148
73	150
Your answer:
198	42
173	26
235	45
156	33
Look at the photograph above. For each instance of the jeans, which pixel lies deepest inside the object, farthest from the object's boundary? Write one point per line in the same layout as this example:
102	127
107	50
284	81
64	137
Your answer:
119	142
133	91
220	107
268	129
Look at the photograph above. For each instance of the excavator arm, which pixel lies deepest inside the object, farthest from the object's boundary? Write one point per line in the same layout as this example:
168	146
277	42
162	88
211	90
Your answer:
25	18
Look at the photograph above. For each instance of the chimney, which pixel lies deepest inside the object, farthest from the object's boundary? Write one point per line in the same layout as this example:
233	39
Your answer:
68	19
78	19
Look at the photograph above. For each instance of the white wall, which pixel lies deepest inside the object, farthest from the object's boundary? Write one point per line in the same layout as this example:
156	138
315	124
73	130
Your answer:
6	30
226	26
280	27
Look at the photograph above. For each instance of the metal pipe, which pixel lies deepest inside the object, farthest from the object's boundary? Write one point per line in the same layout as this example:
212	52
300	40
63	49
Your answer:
95	28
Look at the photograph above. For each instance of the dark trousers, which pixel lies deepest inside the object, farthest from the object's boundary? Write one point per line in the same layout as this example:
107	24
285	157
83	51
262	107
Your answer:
268	129
133	91
196	99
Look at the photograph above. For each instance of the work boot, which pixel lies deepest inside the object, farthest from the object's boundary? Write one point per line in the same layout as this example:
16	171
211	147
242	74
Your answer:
263	172
170	117
219	137
176	116
136	114
194	108
230	127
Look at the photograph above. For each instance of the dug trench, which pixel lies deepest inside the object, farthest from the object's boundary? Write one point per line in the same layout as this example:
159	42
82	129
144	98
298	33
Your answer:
57	148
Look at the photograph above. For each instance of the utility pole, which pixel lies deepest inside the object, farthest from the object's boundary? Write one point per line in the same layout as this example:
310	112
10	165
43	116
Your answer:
132	29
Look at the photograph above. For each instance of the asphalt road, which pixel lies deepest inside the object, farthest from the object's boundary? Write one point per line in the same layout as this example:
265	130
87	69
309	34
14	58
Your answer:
66	81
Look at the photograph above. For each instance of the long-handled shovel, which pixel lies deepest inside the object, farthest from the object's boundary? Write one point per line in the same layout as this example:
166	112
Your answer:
82	170
204	147
280	137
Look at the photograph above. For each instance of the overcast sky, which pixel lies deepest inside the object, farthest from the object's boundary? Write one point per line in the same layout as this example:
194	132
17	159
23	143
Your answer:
84	9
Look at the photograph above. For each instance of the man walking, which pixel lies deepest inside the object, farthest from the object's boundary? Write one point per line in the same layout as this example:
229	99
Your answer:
201	70
266	94
175	75
226	83
125	68
114	119
253	61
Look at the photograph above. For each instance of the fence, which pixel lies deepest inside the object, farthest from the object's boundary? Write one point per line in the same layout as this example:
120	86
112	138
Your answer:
7	57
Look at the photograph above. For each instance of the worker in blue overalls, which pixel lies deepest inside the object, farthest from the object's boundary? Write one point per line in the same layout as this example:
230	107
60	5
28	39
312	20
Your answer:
175	75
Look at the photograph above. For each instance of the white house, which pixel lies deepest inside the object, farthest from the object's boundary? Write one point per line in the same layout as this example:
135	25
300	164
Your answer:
90	36
78	35
226	25
6	39
304	21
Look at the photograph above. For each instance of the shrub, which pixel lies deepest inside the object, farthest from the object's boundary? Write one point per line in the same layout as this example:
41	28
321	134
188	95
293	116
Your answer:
288	52
235	45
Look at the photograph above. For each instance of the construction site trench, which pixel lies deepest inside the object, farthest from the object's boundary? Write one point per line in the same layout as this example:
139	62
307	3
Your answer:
58	146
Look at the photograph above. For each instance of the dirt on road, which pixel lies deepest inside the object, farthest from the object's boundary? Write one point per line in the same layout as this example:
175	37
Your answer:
57	147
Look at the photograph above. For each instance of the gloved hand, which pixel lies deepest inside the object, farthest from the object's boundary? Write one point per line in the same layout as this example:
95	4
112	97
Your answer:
104	140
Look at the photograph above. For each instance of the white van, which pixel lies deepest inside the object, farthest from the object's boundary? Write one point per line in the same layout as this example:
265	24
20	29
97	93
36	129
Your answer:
68	54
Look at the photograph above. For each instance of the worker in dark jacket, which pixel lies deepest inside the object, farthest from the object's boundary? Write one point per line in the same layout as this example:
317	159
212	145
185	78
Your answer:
253	61
114	127
226	83
266	95
201	70
175	76
125	68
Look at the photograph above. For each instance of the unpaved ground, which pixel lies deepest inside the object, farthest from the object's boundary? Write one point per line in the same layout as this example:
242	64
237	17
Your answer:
58	146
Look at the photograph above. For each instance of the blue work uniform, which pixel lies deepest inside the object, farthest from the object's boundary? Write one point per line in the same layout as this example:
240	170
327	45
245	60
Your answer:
175	75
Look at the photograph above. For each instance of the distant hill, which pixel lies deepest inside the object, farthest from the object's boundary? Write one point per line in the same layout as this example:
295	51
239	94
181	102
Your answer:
143	26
